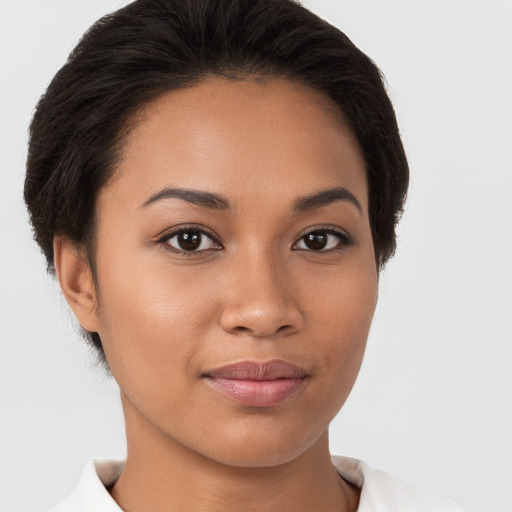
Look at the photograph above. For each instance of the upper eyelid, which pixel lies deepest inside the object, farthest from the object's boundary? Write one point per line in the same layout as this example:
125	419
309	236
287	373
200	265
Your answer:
330	229
176	230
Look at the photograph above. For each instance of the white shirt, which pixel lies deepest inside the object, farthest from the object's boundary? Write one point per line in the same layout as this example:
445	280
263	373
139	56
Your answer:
379	491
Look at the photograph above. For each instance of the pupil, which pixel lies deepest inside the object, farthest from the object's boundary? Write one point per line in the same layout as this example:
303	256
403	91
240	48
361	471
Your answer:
190	240
316	240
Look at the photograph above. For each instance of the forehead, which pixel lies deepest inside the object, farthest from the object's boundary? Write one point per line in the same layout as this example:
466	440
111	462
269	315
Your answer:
245	138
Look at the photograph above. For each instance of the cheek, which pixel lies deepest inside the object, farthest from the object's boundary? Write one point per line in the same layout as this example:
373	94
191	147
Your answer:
343	312
152	317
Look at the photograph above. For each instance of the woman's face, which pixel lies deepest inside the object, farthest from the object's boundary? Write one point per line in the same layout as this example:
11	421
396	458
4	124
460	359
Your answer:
236	278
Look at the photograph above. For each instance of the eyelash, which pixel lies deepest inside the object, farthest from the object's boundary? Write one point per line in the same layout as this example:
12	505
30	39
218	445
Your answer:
343	239
164	239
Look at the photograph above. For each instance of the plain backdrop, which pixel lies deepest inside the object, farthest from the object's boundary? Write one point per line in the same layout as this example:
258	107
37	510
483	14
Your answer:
433	402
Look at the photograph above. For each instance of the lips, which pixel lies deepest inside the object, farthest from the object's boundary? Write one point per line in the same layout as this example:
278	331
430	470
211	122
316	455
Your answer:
257	384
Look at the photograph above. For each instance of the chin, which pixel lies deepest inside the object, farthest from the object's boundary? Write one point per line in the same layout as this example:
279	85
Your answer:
261	446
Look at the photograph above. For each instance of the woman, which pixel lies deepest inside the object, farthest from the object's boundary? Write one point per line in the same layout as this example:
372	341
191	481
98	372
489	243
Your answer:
216	186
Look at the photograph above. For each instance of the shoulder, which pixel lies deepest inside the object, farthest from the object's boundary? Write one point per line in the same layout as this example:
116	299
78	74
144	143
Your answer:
382	493
91	492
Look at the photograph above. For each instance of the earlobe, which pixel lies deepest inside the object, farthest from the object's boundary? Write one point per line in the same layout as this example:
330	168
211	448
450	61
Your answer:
75	278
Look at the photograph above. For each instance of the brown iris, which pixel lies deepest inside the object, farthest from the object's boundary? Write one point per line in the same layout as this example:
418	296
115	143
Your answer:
189	240
316	240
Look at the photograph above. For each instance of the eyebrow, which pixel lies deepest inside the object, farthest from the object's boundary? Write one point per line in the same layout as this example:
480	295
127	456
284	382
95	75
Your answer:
324	198
207	199
218	202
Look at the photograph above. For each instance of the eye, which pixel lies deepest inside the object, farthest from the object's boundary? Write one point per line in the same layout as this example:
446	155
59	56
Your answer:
323	240
190	240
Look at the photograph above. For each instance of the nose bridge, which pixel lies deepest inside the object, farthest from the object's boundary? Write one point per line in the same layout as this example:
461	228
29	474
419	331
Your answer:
261	300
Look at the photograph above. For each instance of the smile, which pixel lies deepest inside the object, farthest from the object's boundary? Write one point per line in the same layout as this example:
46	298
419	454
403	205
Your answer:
257	384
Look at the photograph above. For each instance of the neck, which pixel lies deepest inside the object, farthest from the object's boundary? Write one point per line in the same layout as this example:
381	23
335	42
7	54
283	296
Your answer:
162	474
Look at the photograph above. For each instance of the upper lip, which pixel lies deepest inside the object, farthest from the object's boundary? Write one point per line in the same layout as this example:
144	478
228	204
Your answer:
258	370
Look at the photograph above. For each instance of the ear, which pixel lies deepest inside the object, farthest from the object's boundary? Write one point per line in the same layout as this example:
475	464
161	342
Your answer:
75	278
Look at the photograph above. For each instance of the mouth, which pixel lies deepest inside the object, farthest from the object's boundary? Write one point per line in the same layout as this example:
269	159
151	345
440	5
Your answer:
257	384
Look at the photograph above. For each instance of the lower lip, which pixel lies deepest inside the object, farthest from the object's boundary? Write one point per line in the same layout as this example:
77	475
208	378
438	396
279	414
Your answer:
266	393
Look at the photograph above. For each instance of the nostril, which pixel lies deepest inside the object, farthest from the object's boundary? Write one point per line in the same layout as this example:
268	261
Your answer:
241	329
261	322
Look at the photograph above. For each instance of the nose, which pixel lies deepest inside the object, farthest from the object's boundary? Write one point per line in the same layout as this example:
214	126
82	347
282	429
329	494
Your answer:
261	301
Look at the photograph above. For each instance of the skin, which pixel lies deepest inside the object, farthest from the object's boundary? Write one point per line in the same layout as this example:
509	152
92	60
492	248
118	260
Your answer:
256	293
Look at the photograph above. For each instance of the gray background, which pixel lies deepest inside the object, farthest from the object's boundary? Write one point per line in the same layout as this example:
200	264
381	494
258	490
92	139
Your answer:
433	402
